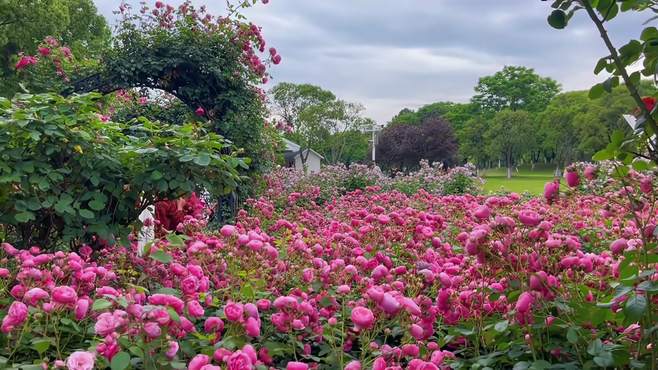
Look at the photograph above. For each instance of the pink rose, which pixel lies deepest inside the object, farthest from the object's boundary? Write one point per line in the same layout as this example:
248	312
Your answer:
81	308
228	230
252	327
619	246
524	302
172	350
572	177
152	329
294	365
379	364
213	324
362	317
551	191
190	285
105	325
198	362
80	360
24	61
529	218
194	309
34	295
353	365
239	360
16	315
65	295
482	212
200	112
233	311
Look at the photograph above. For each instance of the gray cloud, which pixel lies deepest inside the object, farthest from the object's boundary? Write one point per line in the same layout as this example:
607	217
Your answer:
393	54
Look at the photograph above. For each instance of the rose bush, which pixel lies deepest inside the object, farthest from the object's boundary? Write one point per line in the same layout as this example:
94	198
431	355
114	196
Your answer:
370	279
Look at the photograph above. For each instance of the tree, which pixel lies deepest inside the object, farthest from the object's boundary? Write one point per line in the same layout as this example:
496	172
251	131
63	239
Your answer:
508	136
25	23
402	146
514	88
471	139
319	120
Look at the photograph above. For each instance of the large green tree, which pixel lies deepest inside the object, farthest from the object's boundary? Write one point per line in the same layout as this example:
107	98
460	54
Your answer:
515	88
25	23
508	136
320	120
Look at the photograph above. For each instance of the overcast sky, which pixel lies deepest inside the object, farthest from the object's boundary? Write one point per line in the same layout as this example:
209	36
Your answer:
392	54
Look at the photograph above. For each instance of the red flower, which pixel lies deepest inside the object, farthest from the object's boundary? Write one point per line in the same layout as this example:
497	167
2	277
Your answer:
25	61
44	51
200	112
649	102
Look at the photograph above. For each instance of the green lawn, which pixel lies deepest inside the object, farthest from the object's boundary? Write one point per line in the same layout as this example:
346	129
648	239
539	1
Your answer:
525	180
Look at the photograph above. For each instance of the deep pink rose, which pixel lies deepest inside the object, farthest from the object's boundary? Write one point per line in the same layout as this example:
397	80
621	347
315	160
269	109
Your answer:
524	302
362	317
239	360
34	295
234	311
152	329
65	295
294	365
252	327
213	324
198	362
16	315
194	309
81	308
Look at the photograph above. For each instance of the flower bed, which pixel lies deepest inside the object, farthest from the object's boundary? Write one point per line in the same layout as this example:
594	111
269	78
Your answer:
371	279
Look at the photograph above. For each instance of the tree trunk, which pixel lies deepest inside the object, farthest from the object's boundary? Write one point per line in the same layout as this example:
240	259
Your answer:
509	172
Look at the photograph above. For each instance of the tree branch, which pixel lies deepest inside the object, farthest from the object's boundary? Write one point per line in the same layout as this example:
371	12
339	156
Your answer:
632	89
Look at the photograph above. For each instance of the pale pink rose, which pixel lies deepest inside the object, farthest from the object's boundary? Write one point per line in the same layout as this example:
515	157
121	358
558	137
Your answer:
80	360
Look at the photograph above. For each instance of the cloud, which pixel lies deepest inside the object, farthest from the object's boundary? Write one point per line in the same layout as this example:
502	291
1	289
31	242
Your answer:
393	54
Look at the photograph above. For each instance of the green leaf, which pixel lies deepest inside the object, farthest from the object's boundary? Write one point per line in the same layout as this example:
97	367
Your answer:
572	335
603	155
86	213
521	366
501	326
156	175
120	361
101	304
595	347
247	292
97	205
24	217
173	314
161	256
558	19
596	91
635	307
604	359
202	160
41	345
175	240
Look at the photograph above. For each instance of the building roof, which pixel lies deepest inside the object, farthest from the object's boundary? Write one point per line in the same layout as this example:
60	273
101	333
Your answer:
295	148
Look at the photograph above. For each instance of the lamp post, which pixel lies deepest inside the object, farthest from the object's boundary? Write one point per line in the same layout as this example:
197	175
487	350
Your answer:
374	130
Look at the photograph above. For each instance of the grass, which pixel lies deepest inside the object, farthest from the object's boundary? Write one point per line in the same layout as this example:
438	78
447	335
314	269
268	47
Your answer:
526	180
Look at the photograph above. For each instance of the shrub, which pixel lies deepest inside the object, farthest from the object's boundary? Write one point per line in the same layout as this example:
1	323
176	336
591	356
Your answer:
68	173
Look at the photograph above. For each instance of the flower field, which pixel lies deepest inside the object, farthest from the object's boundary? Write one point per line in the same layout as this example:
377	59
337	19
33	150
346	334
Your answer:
370	279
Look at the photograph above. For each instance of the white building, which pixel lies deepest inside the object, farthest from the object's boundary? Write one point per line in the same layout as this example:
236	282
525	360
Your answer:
293	157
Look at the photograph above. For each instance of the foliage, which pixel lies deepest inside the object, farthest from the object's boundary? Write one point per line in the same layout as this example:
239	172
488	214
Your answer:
402	147
620	59
514	88
24	24
509	135
67	173
320	121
